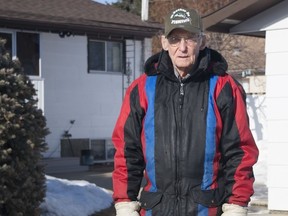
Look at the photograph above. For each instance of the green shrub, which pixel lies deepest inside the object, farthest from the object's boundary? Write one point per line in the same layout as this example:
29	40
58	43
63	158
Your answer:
22	133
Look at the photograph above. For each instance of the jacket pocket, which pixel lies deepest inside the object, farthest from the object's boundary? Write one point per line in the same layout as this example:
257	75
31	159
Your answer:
149	200
208	198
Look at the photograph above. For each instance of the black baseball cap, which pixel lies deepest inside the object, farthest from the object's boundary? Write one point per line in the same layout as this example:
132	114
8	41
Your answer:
187	19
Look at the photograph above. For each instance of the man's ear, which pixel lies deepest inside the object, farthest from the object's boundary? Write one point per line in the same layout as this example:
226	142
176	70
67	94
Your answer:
203	42
164	43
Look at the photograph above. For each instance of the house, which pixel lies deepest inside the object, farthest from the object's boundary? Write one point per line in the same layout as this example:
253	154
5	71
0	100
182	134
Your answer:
81	55
268	19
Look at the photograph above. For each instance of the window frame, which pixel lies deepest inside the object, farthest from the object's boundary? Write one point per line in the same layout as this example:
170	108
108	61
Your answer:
13	42
14	47
106	71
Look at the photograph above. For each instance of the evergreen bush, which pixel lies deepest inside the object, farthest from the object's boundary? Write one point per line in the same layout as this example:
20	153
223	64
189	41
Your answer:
22	141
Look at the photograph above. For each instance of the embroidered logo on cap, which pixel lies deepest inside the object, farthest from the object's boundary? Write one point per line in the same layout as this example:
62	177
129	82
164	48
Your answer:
180	16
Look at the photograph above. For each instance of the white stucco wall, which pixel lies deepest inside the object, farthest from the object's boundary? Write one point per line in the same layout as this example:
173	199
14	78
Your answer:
71	93
256	108
257	111
277	116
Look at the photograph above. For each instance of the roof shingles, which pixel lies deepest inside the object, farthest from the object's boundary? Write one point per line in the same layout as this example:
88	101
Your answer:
80	16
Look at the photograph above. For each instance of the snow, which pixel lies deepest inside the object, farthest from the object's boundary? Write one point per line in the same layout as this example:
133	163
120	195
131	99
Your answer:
81	198
73	198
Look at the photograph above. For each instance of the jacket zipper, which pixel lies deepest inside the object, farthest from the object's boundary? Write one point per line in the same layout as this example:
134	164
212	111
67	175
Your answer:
181	97
178	186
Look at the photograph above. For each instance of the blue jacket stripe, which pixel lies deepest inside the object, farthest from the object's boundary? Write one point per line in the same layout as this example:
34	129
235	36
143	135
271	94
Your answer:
210	146
202	210
210	138
149	131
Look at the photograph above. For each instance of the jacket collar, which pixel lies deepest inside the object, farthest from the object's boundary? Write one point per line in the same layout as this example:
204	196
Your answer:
209	63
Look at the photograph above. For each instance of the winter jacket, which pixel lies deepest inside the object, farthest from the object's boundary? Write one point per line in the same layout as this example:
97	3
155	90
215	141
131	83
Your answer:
189	138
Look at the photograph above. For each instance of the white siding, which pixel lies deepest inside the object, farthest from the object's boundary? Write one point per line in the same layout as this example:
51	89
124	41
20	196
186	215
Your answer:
277	117
134	61
39	87
148	48
92	100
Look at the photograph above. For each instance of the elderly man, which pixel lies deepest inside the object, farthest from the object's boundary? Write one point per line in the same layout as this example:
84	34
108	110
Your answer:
184	127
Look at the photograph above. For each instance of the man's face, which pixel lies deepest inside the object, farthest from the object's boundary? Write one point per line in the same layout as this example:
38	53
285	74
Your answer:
183	48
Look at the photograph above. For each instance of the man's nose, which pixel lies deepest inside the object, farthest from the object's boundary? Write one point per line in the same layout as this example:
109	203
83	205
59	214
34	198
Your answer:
183	44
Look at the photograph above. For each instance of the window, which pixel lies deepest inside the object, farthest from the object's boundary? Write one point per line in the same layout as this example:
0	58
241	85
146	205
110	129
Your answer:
105	56
26	47
8	44
28	52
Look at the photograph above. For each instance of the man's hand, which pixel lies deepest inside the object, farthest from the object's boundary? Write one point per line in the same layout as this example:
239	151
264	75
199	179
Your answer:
127	208
233	210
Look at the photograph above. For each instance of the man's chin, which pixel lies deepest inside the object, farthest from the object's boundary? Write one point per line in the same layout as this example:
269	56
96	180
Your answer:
184	66
184	63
